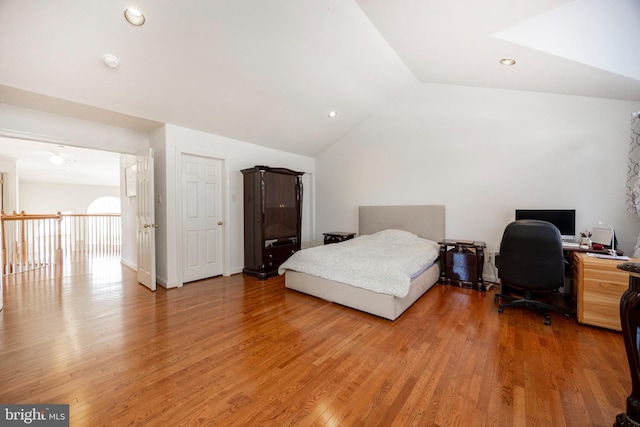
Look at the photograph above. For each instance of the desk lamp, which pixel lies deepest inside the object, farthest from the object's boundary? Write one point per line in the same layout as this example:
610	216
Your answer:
612	251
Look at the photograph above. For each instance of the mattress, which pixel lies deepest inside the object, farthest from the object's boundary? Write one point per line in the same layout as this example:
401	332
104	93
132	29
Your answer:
382	262
382	305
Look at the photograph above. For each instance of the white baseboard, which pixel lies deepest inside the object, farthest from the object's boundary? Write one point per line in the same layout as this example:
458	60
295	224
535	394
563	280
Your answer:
128	264
163	282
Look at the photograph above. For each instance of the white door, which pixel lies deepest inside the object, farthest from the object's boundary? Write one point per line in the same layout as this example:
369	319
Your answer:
201	217
146	221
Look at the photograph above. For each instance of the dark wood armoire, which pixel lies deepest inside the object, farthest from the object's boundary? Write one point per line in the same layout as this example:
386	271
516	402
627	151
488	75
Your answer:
272	218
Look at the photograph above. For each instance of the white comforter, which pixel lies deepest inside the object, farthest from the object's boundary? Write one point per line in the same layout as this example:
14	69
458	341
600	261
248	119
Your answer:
384	262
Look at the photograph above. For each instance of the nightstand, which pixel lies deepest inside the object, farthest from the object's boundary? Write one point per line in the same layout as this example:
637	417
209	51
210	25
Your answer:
337	237
462	262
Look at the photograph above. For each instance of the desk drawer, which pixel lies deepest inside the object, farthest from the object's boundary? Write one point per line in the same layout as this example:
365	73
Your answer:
603	289
602	318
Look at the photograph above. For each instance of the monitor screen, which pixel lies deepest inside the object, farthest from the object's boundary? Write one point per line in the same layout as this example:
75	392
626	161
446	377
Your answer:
564	219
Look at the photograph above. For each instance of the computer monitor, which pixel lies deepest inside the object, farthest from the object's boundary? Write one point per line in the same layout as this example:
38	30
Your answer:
564	219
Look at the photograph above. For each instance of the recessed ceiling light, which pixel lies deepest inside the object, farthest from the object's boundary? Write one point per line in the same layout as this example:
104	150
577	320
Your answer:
111	60
134	16
507	61
332	114
56	159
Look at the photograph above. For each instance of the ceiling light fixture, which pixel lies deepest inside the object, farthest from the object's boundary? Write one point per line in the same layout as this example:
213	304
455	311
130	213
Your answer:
134	16
507	61
56	159
111	61
332	114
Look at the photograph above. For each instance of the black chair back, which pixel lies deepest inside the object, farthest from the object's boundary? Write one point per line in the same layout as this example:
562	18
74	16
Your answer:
531	256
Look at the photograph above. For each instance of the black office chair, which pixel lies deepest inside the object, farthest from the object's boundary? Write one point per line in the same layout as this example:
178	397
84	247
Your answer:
531	267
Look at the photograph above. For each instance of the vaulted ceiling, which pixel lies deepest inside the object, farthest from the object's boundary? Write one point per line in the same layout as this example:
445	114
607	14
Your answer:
269	71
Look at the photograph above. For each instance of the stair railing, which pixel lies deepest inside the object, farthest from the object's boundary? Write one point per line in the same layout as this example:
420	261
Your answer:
31	241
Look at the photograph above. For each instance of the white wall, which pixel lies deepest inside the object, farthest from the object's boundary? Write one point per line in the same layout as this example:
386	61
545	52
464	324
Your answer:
24	123
483	153
237	155
45	198
8	167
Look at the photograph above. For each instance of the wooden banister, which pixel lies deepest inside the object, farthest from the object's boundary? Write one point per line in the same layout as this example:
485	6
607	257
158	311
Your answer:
45	239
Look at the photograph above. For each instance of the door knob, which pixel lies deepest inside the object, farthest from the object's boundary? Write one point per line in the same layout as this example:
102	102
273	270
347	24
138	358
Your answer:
219	222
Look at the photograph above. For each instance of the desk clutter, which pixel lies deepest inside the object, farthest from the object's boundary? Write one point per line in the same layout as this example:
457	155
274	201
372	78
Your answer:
598	239
608	256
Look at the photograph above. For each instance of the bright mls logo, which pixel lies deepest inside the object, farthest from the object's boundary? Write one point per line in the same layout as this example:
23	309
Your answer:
36	415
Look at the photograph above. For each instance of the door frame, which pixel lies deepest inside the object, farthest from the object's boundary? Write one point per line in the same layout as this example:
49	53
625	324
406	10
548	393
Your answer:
226	262
11	194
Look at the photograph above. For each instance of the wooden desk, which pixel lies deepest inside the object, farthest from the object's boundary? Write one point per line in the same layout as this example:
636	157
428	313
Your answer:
598	287
569	252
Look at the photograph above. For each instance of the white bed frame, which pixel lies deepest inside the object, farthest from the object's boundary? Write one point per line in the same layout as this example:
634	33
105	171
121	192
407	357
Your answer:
424	221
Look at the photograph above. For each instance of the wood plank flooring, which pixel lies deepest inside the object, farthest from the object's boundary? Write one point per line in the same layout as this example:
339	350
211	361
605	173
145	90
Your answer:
241	352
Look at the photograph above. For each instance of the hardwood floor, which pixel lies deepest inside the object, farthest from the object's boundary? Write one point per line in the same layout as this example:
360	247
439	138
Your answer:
240	352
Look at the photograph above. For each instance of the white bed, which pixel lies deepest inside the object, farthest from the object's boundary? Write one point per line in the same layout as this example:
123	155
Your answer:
424	221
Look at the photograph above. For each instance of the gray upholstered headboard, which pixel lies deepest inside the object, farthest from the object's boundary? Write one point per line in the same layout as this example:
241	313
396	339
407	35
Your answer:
426	221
